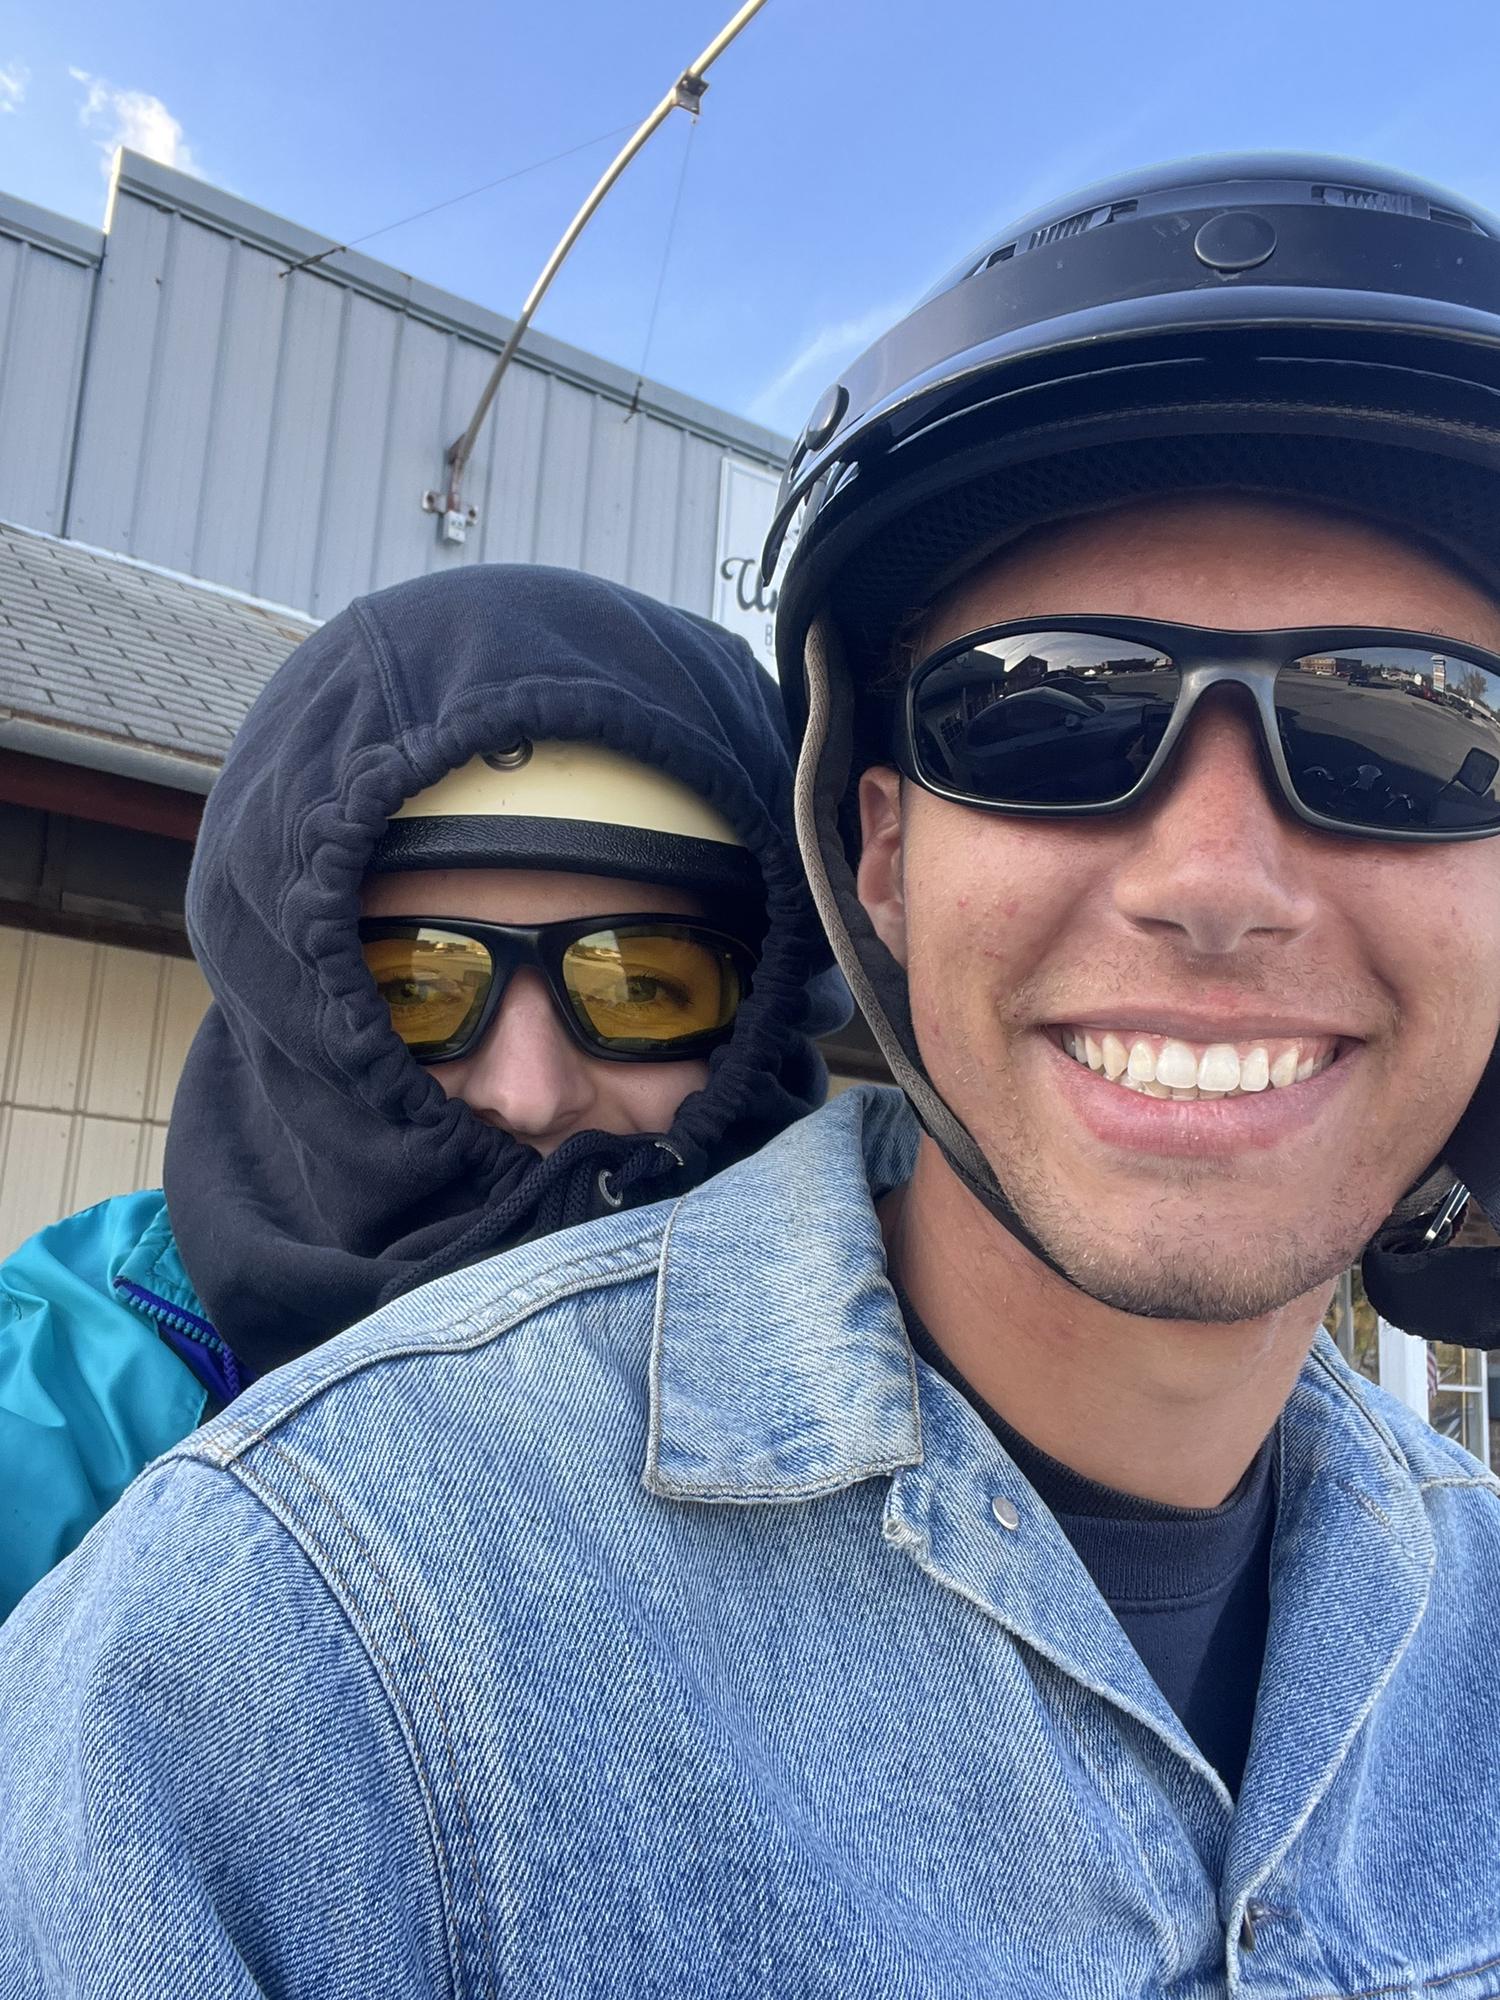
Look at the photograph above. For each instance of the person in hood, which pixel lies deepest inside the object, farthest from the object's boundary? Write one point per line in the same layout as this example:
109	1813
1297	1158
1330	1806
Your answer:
499	904
939	1556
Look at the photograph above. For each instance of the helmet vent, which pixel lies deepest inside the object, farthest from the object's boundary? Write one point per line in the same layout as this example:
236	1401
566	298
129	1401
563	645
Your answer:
1058	232
1457	221
1387	201
1076	225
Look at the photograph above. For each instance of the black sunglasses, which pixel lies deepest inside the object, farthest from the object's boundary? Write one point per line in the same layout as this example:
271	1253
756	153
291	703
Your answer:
1388	734
630	989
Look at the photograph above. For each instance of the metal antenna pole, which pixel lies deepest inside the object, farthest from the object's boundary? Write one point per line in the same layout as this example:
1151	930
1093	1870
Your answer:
686	94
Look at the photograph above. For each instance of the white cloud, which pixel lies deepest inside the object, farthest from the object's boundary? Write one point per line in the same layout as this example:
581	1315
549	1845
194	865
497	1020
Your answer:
132	118
14	77
783	404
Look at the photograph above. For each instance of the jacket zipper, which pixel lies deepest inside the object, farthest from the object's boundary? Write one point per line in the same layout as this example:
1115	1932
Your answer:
199	1344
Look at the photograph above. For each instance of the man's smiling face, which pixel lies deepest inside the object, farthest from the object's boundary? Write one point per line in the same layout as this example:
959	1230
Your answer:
1208	917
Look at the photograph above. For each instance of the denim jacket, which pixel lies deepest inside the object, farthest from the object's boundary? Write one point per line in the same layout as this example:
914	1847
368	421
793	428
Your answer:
630	1616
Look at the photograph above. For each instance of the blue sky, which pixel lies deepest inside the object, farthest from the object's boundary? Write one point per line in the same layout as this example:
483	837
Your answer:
849	150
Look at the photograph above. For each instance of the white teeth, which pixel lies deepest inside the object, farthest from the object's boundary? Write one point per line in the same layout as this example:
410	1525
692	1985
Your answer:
1177	1065
1219	1068
1172	1070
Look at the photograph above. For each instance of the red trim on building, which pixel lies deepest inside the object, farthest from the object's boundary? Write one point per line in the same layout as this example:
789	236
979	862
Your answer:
48	786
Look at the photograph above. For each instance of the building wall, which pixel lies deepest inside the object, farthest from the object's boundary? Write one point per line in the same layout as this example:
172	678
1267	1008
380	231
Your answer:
47	273
174	390
92	1038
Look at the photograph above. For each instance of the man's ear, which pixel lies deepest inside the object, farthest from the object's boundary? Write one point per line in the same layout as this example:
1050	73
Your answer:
880	884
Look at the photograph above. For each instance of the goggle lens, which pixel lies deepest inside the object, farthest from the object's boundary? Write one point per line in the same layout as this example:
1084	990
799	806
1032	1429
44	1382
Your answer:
435	983
641	989
1376	738
624	989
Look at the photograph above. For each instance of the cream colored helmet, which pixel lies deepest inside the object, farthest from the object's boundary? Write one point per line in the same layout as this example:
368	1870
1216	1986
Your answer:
574	806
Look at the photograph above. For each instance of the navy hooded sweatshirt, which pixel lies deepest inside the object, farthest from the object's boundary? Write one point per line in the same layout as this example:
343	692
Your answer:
313	1170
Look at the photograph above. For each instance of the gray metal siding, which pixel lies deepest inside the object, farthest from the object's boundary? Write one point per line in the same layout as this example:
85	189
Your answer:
248	351
44	312
118	399
275	433
696	524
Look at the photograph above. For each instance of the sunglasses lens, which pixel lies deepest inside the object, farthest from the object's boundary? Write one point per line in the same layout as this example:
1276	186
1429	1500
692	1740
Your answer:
647	989
1393	738
435	983
1042	718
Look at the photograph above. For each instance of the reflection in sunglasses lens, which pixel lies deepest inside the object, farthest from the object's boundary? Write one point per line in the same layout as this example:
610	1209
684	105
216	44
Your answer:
1393	738
1043	718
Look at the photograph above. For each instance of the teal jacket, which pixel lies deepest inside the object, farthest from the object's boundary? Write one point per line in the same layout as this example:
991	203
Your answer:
107	1359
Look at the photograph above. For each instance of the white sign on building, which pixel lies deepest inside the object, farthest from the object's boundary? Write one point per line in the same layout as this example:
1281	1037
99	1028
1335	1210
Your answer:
747	501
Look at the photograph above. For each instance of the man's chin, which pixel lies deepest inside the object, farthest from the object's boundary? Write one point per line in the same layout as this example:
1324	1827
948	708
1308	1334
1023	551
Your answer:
1205	1295
1217	1285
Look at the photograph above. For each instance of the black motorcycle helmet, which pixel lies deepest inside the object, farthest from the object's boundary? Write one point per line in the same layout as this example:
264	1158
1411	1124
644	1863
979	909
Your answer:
1304	327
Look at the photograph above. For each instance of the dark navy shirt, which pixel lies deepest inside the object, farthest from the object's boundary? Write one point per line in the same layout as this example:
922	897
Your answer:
1190	1586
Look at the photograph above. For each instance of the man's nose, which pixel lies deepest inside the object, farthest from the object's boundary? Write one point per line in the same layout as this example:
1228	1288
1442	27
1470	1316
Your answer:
528	1075
1216	864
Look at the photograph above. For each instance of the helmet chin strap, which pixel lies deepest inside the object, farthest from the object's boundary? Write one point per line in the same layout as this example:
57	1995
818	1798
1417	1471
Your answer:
877	982
1413	1275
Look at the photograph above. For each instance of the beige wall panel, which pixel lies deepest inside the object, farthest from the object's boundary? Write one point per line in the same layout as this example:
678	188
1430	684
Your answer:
52	1021
92	1040
33	1172
13	950
184	1002
151	1157
127	994
109	1157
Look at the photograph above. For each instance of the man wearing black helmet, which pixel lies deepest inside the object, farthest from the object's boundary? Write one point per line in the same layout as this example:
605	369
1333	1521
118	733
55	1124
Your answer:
938	1557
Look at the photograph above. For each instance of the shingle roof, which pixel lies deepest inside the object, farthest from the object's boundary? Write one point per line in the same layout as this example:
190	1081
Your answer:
98	646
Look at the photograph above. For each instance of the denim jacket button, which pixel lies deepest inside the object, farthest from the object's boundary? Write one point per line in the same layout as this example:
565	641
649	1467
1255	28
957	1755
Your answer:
1005	1511
1255	1913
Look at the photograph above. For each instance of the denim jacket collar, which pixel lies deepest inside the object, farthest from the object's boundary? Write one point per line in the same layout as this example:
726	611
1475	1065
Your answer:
800	1381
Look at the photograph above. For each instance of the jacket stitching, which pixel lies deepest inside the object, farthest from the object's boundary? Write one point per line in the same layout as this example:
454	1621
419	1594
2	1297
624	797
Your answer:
650	1472
316	1548
462	1337
1427	1986
1371	1507
362	1548
754	1495
1387	1437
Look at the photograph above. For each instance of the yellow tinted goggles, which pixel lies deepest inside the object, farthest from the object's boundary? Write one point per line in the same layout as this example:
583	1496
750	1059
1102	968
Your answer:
629	989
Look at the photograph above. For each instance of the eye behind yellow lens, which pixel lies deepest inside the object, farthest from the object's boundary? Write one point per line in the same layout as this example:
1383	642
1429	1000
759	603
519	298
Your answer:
650	987
433	982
